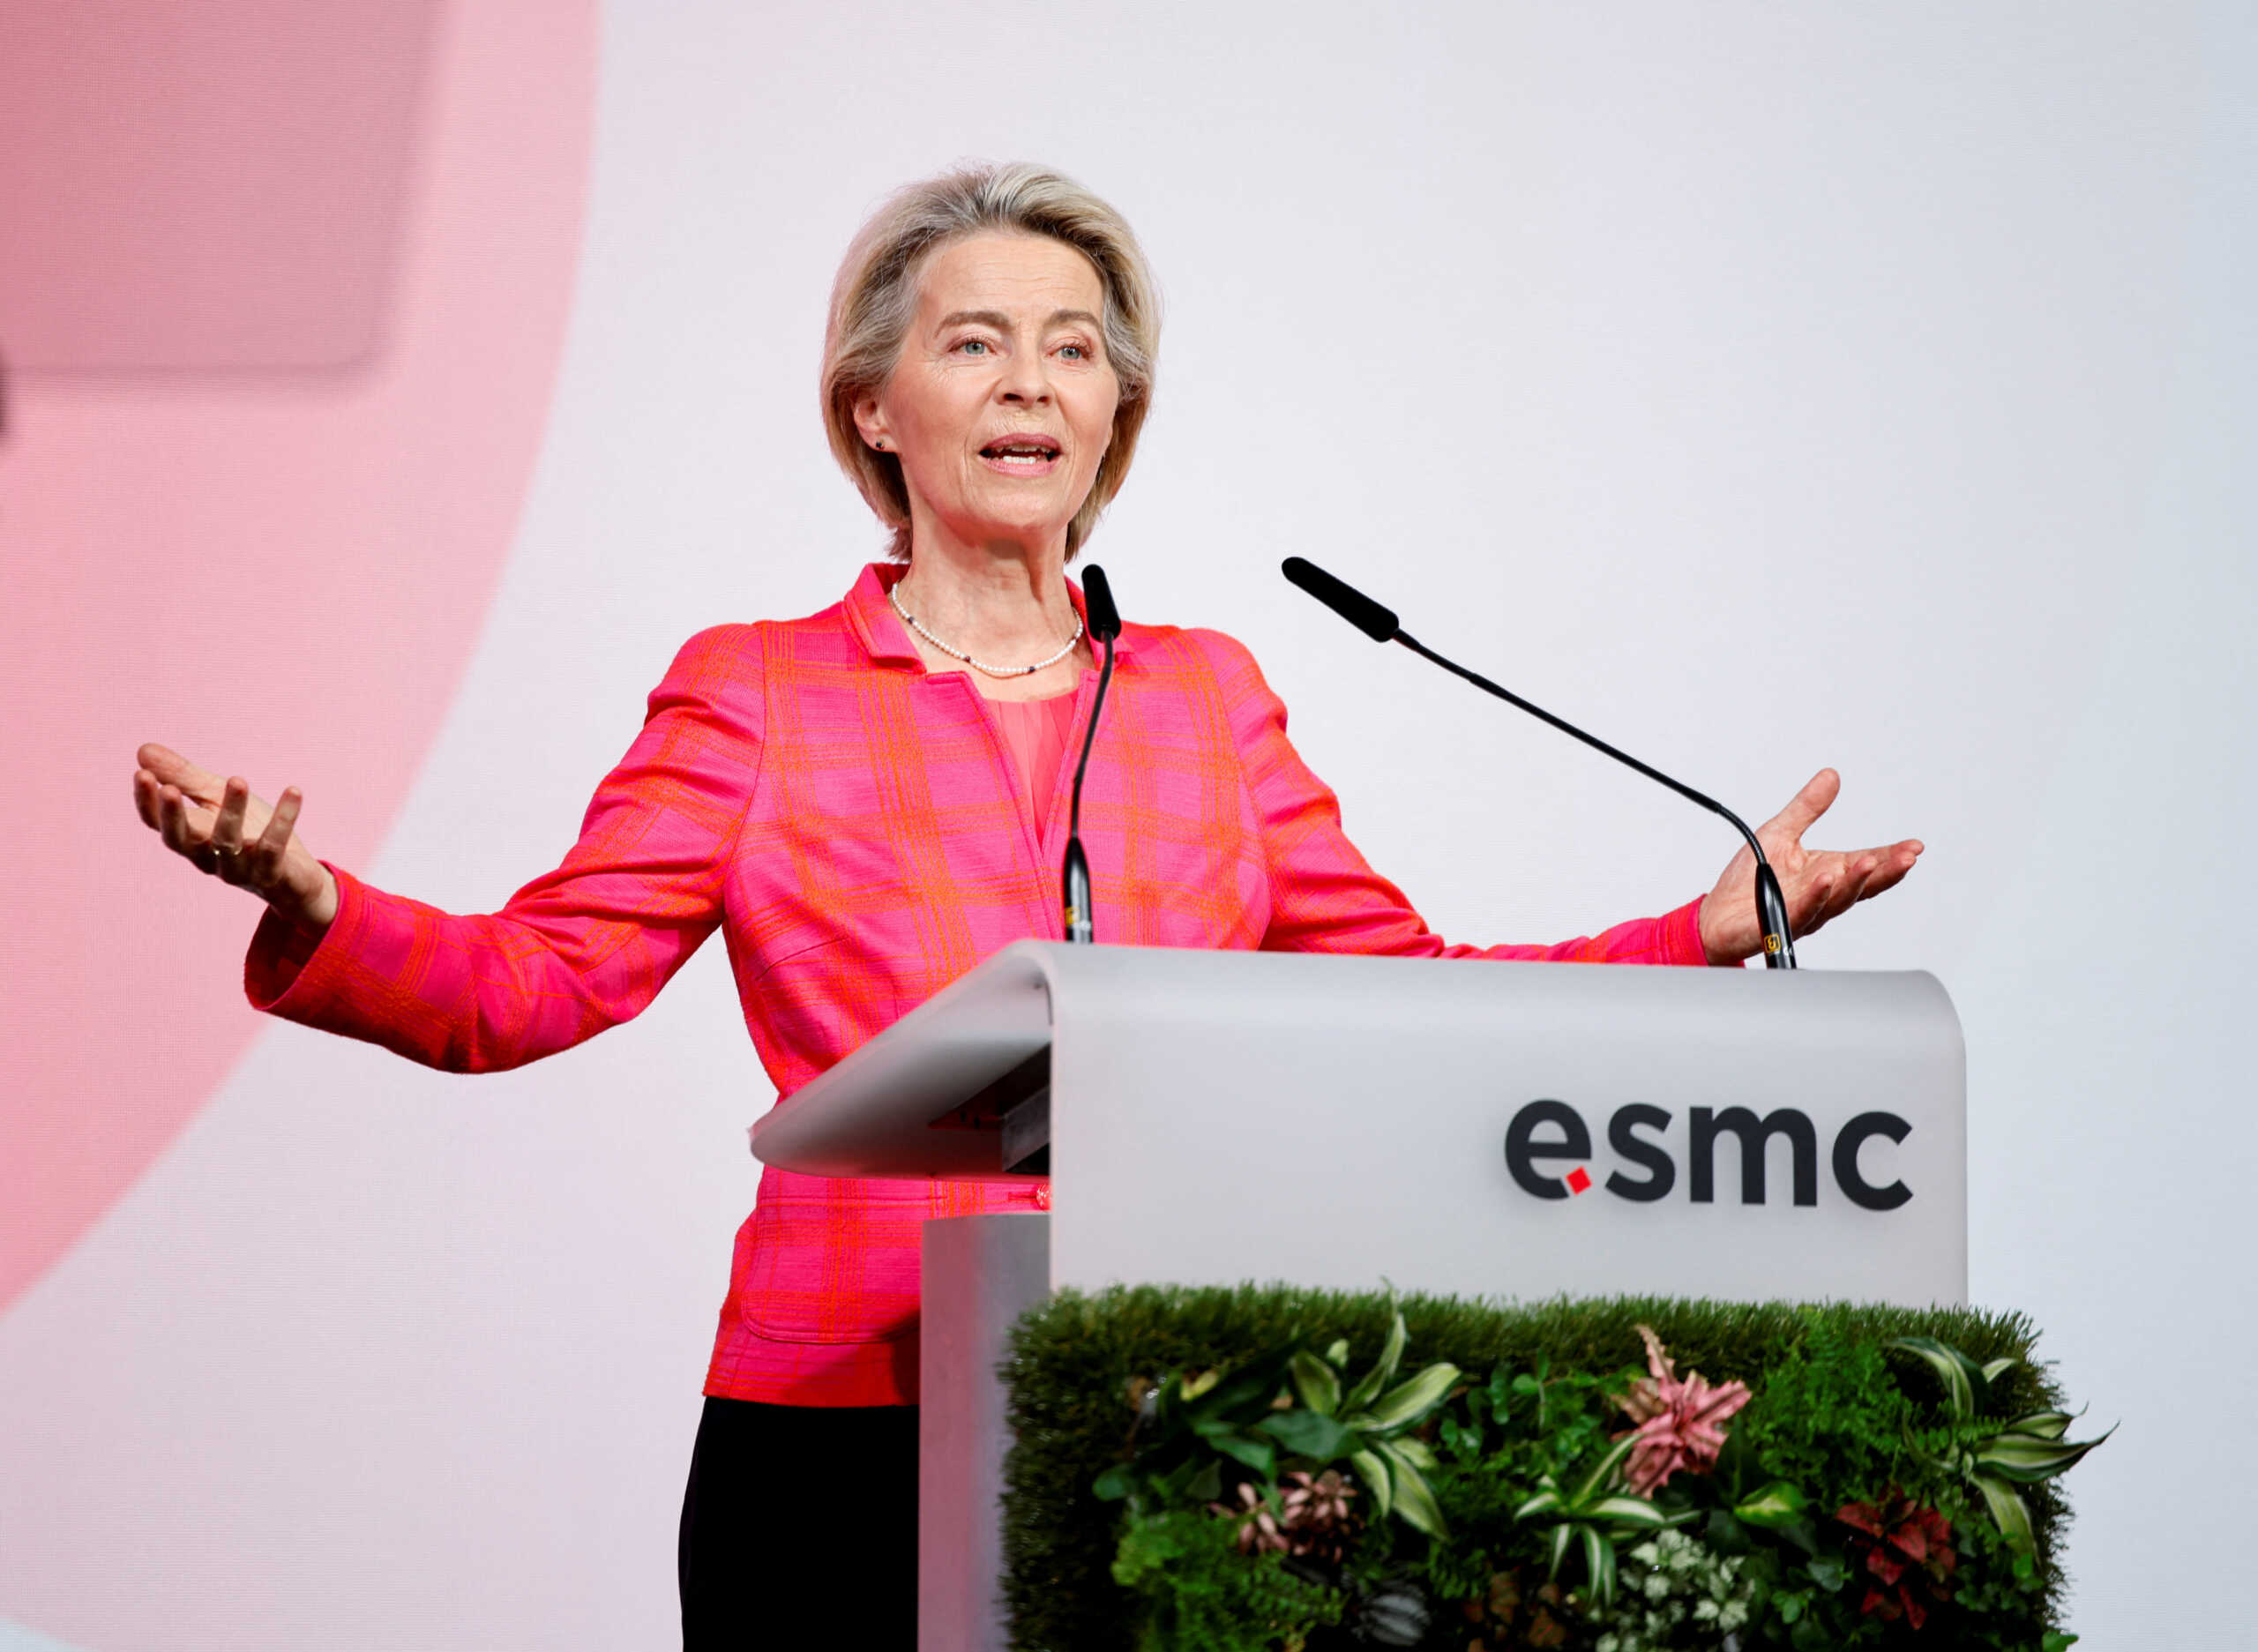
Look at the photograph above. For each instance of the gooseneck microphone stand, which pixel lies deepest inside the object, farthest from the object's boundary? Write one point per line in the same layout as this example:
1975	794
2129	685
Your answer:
1379	624
1103	622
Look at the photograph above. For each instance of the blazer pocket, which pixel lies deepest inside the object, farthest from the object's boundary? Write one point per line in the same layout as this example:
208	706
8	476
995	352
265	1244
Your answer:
832	1267
796	955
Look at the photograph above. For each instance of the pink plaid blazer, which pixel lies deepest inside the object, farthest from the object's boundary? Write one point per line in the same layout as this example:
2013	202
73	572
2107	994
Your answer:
852	824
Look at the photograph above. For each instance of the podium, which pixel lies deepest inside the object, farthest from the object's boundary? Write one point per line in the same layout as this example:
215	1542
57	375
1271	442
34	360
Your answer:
1456	1126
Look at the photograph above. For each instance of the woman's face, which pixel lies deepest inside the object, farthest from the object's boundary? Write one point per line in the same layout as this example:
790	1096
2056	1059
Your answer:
1002	402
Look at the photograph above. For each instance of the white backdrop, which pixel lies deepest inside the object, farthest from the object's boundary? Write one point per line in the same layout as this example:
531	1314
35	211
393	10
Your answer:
1762	385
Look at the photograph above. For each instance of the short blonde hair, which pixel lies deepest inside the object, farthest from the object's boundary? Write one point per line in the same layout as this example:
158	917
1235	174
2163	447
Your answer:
875	297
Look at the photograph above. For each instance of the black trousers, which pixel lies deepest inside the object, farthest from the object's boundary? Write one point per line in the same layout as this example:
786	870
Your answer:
799	1529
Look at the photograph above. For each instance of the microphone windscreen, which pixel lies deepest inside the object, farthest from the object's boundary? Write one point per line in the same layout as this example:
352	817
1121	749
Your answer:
1104	620
1352	604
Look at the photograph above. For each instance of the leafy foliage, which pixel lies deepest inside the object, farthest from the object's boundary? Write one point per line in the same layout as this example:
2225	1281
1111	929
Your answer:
1679	1589
1828	1410
1838	1419
1502	1440
1996	1458
1203	1594
1593	1514
1288	1406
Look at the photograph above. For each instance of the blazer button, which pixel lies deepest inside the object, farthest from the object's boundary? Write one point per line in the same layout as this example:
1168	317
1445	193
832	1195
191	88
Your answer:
1042	1195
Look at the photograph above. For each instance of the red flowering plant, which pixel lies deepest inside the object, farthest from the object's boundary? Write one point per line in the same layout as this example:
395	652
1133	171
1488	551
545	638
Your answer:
1905	1551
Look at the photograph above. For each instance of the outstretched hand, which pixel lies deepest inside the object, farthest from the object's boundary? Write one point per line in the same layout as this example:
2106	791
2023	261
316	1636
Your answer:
1819	884
220	828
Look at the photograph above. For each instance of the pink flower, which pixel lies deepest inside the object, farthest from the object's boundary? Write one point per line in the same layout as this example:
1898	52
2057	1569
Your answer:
1680	1420
1258	1530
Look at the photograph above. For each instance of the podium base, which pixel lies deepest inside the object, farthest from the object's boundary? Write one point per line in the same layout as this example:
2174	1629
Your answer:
981	1273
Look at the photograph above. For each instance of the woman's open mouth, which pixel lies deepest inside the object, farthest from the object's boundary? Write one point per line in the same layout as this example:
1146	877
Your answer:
1021	455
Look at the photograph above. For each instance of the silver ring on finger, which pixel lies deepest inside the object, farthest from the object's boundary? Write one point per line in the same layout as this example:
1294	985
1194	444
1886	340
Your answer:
227	865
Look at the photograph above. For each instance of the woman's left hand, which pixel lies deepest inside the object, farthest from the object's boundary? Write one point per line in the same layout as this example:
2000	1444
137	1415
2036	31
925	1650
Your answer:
1819	884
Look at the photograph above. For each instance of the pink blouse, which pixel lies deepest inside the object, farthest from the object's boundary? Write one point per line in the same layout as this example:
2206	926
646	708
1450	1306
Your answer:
1036	731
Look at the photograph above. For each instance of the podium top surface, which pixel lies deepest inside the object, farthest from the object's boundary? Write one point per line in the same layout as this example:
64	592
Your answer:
877	1112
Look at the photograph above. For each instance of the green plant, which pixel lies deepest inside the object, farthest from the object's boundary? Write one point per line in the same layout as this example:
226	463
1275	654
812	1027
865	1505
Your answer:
1494	1441
1369	1423
1997	1458
2001	1591
1248	1416
1677	1589
1828	1413
1593	1514
1203	1594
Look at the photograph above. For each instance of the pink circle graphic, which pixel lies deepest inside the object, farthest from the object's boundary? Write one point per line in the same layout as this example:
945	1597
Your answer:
263	523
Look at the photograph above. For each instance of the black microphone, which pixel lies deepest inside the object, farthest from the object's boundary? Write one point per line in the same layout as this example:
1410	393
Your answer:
1379	624
1104	626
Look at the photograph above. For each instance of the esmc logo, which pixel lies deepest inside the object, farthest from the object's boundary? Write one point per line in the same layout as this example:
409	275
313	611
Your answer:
1548	1131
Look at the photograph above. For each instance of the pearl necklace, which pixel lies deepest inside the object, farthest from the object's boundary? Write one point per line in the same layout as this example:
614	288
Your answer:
910	620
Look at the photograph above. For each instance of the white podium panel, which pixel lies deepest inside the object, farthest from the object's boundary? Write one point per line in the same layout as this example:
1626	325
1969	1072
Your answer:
1449	1126
1455	1126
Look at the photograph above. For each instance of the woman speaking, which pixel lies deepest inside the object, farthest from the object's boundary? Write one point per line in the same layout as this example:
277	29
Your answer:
868	802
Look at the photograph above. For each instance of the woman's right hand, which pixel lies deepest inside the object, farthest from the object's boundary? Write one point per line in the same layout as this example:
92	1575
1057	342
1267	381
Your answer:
220	828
